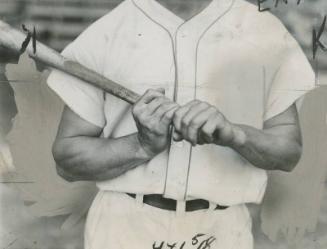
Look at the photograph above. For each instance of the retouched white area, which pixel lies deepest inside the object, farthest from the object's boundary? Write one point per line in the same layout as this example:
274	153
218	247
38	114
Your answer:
20	229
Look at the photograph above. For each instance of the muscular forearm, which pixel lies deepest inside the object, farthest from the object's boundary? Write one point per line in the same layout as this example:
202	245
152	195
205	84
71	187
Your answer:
82	155
277	146
267	149
95	159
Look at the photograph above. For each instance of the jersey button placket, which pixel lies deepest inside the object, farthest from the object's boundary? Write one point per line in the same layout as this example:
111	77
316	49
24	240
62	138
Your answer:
180	152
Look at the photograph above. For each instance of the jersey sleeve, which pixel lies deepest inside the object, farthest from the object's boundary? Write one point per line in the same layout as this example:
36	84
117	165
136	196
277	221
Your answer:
293	78
84	99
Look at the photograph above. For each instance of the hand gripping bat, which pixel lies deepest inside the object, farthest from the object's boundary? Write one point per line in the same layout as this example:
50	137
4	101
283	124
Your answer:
17	41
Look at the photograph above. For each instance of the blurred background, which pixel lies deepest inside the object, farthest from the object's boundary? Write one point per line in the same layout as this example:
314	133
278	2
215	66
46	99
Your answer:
54	217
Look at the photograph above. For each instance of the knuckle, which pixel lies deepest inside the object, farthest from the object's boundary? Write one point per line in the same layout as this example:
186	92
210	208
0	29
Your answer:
155	117
159	111
136	109
219	117
179	111
226	134
229	130
176	123
156	99
154	102
165	109
150	124
136	116
142	119
177	116
221	124
206	131
148	91
195	102
203	104
185	122
167	115
212	109
194	124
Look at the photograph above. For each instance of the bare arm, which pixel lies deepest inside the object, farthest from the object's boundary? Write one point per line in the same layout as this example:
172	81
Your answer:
81	154
277	146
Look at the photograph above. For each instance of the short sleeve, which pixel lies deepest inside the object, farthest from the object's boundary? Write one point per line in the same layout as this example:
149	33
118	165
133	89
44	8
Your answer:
293	78
84	99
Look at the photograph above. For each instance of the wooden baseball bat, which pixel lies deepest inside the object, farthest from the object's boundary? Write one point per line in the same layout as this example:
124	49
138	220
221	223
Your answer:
14	39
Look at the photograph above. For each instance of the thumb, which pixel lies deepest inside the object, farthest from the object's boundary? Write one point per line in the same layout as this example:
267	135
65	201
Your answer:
161	90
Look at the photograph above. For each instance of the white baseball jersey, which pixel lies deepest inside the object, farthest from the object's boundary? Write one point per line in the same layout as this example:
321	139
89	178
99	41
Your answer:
230	55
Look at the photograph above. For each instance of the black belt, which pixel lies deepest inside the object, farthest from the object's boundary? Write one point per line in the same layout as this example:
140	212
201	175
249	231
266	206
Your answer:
159	201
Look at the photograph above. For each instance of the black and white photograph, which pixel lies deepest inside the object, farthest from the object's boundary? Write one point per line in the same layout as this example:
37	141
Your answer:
163	124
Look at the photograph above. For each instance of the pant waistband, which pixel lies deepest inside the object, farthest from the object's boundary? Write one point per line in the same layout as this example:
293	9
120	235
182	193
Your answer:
161	202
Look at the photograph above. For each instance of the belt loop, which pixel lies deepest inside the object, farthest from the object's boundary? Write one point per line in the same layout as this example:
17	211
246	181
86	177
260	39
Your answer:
180	207
139	200
212	206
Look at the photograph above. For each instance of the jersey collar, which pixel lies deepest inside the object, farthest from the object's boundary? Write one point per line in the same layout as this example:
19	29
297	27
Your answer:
167	19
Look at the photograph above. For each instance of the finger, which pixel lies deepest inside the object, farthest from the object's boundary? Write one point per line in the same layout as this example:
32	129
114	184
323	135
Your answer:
152	107
194	119
223	132
165	106
177	136
149	95
161	90
193	112
179	114
226	134
166	112
194	129
208	129
162	116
